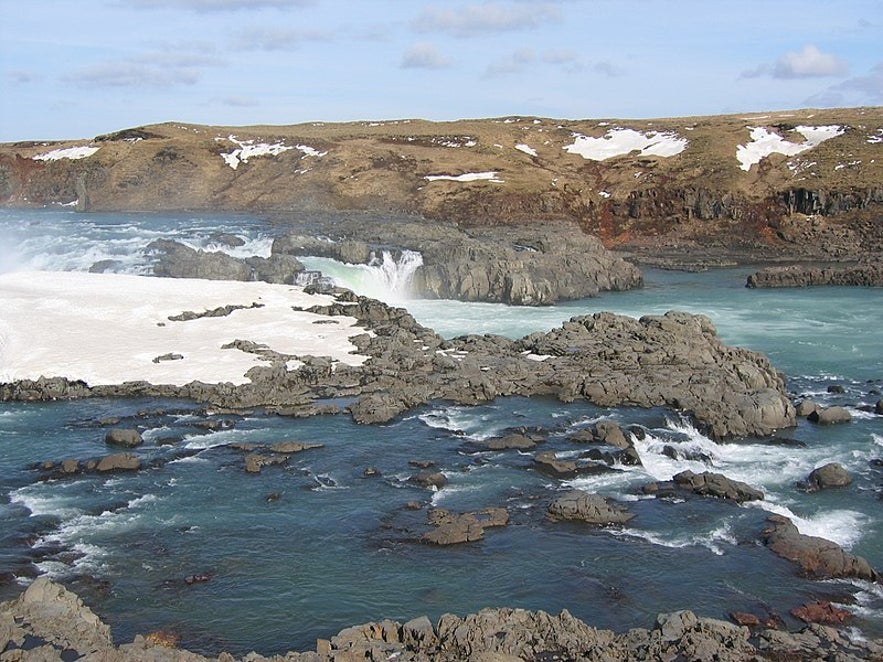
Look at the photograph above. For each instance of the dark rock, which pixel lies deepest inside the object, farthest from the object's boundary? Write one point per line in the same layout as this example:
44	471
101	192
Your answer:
864	274
548	463
168	357
830	416
175	260
371	472
878	408
717	485
429	479
836	388
421	464
827	476
125	437
818	558
590	508
198	578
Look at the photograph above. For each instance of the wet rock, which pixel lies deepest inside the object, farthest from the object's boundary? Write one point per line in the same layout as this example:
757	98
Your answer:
255	462
291	447
509	442
429	479
830	415
603	432
828	476
817	557
821	612
371	472
117	462
878	408
590	508
198	578
175	260
452	529
717	485
125	437
549	464
864	274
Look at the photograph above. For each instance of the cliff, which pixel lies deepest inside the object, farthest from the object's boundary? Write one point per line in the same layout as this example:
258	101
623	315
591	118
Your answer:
772	182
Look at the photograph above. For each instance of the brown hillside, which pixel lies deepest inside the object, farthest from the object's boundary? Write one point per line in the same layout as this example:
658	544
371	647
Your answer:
699	194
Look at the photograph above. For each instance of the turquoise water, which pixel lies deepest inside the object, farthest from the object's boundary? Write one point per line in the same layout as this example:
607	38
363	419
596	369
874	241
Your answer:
302	550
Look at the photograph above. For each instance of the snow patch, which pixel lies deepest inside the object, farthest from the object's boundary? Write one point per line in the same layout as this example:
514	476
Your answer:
72	153
112	328
527	149
248	149
764	142
875	139
617	142
490	176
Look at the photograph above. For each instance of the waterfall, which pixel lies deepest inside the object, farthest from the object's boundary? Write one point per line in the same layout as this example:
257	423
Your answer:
387	276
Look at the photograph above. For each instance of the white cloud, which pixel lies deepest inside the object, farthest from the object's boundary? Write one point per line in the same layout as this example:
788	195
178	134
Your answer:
277	39
477	19
131	74
514	63
857	91
424	55
809	62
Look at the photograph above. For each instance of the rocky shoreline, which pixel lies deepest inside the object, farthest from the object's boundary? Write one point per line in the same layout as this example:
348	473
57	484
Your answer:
48	623
675	360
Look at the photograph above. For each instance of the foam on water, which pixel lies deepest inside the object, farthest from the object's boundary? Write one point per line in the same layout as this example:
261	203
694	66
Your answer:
845	527
716	539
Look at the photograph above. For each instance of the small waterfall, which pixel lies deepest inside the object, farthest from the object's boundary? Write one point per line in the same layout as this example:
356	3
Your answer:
387	276
395	275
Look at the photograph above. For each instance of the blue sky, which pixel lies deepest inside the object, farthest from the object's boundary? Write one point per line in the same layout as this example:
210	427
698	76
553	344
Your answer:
78	68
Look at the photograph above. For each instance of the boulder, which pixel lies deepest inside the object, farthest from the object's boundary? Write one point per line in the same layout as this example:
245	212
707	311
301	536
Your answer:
830	415
603	432
429	479
175	260
509	442
254	462
829	475
817	557
878	408
549	464
119	462
806	407
717	485
125	437
590	508
452	529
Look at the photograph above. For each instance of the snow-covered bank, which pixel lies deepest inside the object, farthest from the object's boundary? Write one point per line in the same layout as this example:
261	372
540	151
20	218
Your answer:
111	328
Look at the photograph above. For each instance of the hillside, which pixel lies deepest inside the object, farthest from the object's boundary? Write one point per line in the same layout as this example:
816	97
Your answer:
734	181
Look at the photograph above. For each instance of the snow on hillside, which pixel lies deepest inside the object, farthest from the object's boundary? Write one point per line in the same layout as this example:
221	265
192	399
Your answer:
527	149
490	176
617	142
764	142
72	153
248	149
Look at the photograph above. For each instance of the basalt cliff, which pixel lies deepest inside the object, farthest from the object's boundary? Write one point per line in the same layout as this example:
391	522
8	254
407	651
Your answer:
804	184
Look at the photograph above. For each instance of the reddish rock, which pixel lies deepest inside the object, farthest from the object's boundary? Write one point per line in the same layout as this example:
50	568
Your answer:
821	612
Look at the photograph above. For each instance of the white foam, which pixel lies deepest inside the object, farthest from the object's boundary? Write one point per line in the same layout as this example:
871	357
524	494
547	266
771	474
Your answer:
617	142
72	153
845	527
109	328
716	540
764	142
490	176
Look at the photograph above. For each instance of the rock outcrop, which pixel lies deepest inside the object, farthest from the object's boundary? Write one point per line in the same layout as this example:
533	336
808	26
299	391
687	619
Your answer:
674	360
50	624
581	506
865	274
818	558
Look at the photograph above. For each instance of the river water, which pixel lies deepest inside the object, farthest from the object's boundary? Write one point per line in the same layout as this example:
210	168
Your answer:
302	550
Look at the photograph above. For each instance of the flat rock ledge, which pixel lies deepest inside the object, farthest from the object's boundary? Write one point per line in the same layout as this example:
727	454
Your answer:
674	360
48	623
867	274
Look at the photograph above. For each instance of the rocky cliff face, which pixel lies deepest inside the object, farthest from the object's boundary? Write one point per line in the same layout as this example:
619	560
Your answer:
706	180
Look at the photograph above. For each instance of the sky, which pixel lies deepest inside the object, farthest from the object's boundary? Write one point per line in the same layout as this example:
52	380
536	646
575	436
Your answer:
74	69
